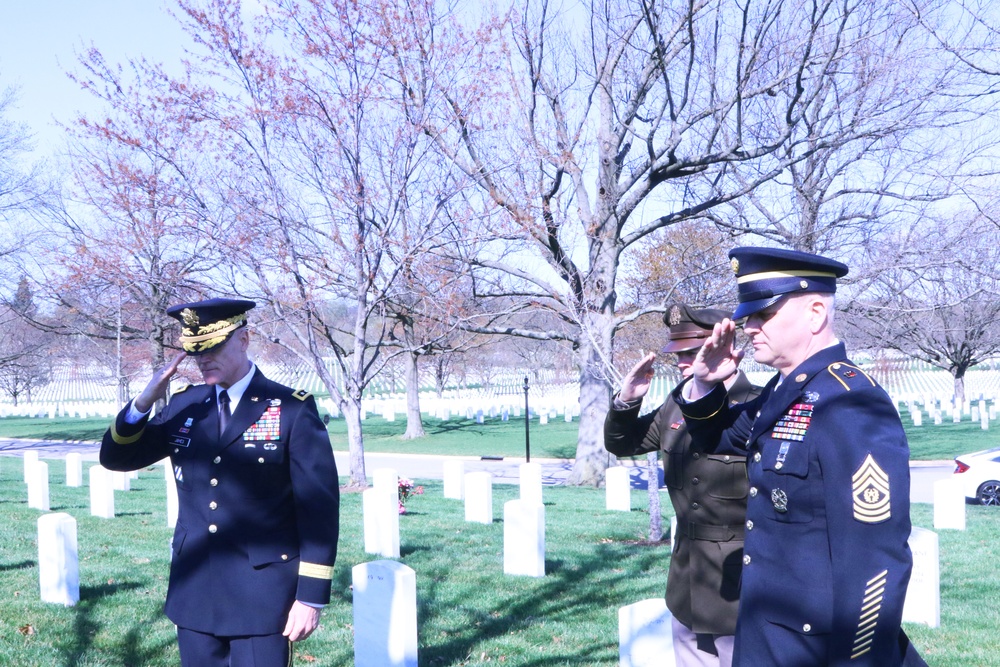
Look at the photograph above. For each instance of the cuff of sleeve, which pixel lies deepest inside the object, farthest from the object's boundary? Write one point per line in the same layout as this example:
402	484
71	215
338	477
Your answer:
705	407
619	404
314	584
133	416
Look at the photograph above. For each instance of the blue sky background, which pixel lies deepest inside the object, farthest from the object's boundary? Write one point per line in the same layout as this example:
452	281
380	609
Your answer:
39	40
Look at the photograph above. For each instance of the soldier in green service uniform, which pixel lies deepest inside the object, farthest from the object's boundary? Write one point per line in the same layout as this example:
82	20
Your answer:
708	492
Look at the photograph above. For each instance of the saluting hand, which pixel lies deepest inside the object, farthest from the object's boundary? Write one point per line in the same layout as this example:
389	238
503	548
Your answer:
717	360
157	387
636	383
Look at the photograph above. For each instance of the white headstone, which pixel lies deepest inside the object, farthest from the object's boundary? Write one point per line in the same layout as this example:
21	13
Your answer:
74	470
58	562
956	415
454	477
480	419
937	418
984	420
517	411
120	480
531	482
918	417
618	489
543	418
171	483
447	414
505	413
975	414
568	417
381	522
524	538
949	505
385	614
38	486
30	459
923	595
645	635
102	493
479	497
389	415
386	480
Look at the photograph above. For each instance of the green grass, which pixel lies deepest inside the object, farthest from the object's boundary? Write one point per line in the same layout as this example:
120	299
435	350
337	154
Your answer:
469	612
464	437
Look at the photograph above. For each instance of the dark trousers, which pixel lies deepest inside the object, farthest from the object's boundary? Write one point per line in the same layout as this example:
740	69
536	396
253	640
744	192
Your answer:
202	650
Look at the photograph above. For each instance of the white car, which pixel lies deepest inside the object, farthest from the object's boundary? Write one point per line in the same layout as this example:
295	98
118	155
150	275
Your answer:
979	474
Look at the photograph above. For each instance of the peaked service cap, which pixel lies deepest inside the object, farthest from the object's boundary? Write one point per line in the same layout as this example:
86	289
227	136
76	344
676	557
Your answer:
764	275
208	324
688	329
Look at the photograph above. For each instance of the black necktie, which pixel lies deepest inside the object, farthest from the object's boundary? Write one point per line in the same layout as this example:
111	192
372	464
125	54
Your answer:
224	413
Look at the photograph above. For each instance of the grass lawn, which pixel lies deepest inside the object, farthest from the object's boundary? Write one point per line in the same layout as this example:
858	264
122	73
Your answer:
464	437
469	612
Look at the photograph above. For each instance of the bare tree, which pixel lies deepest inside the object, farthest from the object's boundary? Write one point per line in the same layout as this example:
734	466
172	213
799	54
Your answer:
935	296
657	114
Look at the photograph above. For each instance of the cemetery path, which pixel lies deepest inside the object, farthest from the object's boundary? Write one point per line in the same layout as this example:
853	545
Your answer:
923	474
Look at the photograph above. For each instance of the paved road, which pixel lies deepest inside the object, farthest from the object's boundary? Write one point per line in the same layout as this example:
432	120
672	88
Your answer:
923	474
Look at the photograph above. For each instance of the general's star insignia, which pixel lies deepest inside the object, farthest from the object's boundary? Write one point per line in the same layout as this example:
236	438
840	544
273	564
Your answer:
870	488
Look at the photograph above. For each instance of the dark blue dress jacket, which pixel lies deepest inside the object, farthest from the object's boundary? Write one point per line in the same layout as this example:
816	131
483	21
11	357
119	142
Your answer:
826	561
258	507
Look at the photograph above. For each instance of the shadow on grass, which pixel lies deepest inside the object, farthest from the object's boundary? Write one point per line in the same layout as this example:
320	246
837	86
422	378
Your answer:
565	588
23	565
134	643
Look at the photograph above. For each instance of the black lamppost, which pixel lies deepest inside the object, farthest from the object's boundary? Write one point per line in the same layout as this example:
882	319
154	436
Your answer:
527	424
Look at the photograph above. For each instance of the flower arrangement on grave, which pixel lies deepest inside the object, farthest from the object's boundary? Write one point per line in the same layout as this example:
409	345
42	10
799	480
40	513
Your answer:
407	489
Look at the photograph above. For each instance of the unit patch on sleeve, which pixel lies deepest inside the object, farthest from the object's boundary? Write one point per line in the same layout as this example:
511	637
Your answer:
268	427
793	424
870	488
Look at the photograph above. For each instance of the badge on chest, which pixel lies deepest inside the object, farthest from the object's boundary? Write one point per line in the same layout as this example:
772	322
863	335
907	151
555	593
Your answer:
794	423
268	427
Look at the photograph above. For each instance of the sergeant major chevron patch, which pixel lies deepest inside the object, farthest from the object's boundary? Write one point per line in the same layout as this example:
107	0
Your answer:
870	488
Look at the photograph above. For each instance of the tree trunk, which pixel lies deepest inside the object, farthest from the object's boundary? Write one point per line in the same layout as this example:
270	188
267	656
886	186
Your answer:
351	407
653	486
959	387
414	424
439	376
595	398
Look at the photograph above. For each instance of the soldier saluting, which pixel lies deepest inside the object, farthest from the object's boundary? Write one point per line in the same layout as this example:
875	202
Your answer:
257	490
826	561
708	493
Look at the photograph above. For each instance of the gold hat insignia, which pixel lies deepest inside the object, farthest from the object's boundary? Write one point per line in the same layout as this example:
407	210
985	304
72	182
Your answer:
735	263
675	316
190	318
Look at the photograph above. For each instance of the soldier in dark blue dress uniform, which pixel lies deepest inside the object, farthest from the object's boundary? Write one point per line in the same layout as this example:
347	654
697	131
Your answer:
257	489
826	561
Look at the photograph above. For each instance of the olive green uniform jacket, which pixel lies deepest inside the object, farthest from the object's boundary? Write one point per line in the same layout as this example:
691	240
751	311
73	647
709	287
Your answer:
709	495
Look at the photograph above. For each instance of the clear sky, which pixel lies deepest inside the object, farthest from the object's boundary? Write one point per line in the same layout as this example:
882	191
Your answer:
39	40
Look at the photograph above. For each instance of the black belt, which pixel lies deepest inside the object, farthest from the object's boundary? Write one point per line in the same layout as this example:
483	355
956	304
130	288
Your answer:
697	531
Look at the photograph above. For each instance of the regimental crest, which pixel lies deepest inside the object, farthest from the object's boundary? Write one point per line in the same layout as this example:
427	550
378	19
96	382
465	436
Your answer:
190	318
674	316
811	397
870	489
735	263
